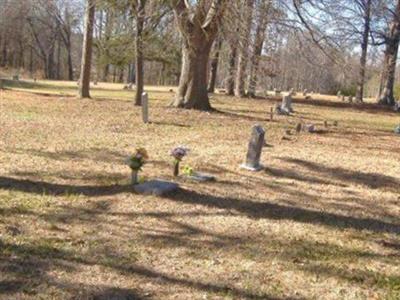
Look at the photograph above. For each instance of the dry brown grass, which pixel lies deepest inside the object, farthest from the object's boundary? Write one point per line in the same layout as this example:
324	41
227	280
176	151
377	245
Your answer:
321	222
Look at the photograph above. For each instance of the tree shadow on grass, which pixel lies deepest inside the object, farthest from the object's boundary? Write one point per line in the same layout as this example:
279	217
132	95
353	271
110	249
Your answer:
372	180
266	210
42	187
32	254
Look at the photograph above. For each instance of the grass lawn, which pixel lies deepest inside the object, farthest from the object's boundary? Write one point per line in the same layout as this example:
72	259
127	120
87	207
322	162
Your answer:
322	221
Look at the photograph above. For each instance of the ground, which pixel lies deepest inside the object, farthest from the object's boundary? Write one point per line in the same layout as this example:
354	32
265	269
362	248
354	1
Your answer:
320	222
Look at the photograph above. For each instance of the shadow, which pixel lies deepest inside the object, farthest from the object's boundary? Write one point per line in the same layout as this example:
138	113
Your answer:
232	114
372	180
42	187
266	210
289	174
30	255
170	124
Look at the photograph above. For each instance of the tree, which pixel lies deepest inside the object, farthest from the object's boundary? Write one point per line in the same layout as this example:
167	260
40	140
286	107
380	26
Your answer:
214	66
198	25
365	6
86	64
392	40
139	8
244	49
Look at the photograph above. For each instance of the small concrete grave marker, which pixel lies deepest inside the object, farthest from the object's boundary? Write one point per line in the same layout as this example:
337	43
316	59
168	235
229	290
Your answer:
256	144
156	187
145	108
299	126
201	177
397	129
396	106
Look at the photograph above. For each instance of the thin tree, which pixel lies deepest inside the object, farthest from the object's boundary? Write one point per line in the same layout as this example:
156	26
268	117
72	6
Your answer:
86	63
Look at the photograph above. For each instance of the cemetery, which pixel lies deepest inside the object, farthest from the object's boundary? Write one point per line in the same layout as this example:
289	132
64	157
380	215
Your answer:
199	150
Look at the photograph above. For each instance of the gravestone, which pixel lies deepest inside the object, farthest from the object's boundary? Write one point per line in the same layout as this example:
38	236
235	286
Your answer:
256	144
310	128
343	98
16	77
145	108
396	106
277	92
156	188
201	177
339	94
286	105
279	110
271	114
305	93
1	84
351	99
397	129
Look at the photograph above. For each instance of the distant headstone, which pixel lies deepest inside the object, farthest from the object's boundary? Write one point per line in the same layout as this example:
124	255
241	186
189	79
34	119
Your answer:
343	98
16	77
305	93
156	188
130	86
396	106
1	84
277	92
309	128
350	99
256	144
397	129
339	94
271	114
145	108
279	110
95	82
292	92
286	105
335	123
325	124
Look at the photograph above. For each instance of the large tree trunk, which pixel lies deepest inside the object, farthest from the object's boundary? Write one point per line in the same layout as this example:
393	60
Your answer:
364	52
139	64
214	66
386	95
192	91
86	64
244	50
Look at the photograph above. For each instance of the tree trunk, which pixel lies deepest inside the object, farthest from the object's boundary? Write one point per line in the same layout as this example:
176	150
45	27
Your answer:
139	64
214	66
262	22
192	91
244	50
230	81
386	95
364	52
84	82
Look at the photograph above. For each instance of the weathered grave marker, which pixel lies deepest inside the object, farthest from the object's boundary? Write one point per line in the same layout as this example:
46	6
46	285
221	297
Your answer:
286	105
256	144
145	108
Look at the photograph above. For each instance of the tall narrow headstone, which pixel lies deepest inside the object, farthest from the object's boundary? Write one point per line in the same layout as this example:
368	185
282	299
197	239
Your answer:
1	84
256	144
286	105
145	108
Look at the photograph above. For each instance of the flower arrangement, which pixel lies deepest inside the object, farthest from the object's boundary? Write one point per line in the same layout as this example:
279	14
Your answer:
187	170
136	162
178	154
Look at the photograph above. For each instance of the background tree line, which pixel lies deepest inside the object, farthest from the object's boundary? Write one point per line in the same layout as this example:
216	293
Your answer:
245	47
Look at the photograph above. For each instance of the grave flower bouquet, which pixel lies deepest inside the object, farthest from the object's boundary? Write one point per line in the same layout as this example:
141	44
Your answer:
178	154
136	162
